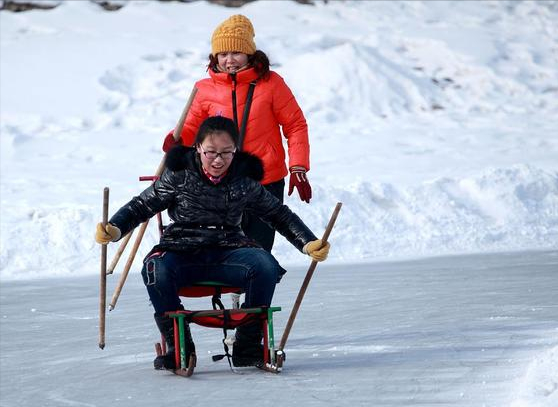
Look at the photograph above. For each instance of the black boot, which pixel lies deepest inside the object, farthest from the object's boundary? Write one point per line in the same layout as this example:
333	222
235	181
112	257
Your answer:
248	349
166	327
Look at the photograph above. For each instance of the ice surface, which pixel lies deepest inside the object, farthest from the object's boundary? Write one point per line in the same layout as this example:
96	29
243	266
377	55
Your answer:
471	330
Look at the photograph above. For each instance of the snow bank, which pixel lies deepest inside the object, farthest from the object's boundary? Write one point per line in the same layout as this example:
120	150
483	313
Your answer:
539	387
504	209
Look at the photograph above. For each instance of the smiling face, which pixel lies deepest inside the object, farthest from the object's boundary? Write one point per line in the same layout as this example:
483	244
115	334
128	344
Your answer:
231	61
216	152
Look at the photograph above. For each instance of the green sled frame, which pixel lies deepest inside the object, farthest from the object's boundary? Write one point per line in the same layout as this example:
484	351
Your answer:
272	358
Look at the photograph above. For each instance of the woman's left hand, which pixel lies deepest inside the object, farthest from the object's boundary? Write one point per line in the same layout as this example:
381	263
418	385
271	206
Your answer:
300	181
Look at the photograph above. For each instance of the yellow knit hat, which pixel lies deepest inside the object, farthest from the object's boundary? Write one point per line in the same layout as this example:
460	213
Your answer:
236	33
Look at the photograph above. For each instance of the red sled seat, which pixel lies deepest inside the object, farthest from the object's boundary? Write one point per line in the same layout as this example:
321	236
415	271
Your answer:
206	289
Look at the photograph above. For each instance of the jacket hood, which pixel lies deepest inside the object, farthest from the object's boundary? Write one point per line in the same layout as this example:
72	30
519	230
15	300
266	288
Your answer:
244	164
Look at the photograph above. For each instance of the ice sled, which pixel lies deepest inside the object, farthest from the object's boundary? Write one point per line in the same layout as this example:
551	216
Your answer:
222	318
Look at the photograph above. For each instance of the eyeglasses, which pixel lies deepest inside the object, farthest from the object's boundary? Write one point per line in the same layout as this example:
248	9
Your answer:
212	155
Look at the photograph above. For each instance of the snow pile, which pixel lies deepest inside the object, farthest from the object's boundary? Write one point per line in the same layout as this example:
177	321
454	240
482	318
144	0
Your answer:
434	123
427	64
504	209
49	251
539	387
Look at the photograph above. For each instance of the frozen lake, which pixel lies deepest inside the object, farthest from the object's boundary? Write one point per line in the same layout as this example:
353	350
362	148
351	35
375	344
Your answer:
459	331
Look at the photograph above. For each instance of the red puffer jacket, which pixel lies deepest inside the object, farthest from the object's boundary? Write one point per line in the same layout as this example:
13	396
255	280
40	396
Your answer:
274	107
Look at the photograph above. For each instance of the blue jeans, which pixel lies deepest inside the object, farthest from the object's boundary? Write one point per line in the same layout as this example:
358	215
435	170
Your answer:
252	269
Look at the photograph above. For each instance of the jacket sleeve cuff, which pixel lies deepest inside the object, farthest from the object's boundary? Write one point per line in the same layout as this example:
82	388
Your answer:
297	168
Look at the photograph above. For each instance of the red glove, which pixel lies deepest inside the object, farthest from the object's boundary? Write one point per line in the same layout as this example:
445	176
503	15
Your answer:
298	179
170	142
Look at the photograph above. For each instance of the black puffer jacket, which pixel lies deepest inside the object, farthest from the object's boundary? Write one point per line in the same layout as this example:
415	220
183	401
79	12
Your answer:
205	214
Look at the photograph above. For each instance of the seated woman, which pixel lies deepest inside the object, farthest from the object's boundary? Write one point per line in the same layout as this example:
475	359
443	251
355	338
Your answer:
206	189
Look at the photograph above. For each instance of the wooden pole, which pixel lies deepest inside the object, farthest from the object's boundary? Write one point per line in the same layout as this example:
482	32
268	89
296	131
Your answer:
118	254
128	266
176	135
103	281
307	279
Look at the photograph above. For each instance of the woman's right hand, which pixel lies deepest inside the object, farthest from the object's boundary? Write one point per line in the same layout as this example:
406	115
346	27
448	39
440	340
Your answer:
317	250
106	234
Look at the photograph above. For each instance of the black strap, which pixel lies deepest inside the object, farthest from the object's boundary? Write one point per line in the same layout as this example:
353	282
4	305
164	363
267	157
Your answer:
246	114
235	112
226	320
247	106
218	304
216	299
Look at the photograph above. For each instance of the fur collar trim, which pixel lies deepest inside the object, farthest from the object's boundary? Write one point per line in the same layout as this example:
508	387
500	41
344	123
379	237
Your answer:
244	164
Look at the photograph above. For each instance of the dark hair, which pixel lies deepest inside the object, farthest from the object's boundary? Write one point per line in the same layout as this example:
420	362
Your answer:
216	124
258	60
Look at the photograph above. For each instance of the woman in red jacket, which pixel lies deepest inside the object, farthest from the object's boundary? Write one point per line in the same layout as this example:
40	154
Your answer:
242	87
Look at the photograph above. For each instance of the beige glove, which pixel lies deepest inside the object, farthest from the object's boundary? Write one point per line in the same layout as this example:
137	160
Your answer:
109	233
315	250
